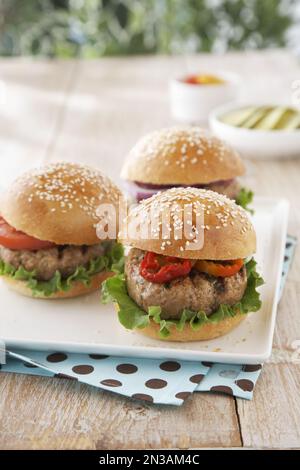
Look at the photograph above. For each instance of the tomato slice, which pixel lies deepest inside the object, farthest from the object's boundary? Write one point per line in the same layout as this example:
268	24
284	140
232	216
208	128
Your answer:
218	269
15	240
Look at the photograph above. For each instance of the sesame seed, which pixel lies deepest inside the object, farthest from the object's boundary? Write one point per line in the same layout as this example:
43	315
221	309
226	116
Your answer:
61	182
182	202
186	144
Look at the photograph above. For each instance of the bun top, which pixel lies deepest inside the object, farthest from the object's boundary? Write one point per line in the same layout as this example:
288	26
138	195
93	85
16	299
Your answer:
58	203
181	155
221	228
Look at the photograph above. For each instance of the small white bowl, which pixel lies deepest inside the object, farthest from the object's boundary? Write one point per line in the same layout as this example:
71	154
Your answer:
193	103
255	143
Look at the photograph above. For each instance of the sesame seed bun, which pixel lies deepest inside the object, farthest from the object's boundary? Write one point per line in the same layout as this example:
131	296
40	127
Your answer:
58	203
206	332
227	230
181	155
78	288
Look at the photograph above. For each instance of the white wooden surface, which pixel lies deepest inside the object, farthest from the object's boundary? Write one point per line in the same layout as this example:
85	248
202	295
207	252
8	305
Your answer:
93	112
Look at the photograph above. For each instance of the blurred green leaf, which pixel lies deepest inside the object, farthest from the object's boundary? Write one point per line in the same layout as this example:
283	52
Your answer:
94	28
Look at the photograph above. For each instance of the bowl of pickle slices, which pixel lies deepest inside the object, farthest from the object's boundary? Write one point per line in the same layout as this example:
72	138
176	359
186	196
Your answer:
259	130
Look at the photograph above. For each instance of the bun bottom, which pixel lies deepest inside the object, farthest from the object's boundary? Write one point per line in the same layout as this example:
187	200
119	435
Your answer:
77	289
205	332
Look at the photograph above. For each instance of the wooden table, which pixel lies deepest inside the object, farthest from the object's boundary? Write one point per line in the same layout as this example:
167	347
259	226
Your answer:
94	112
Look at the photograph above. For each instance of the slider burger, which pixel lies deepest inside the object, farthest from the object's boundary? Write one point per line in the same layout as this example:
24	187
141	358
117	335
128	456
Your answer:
180	292
182	157
48	242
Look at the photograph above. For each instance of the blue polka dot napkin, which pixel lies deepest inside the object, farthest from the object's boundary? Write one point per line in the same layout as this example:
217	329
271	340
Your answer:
151	380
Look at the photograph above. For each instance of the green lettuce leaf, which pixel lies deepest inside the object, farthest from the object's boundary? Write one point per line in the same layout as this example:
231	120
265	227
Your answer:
244	198
113	260
116	258
131	316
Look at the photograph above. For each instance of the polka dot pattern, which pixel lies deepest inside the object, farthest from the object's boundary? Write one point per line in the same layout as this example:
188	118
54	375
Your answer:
245	384
98	357
64	376
170	366
251	367
83	369
147	380
150	380
111	383
142	396
127	368
156	383
207	364
234	379
57	357
196	379
222	389
183	395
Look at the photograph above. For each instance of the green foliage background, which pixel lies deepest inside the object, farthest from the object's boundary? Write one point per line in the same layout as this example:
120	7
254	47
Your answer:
94	28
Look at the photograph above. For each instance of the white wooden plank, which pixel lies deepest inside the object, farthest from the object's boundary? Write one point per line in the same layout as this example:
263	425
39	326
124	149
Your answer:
32	101
55	413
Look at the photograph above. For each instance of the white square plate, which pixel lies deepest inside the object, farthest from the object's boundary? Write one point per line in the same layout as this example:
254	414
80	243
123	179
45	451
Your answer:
85	325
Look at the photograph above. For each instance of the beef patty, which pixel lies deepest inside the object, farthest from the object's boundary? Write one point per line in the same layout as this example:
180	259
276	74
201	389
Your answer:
45	263
198	291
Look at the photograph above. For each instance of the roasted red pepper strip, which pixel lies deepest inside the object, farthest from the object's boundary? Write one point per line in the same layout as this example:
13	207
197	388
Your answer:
217	269
153	271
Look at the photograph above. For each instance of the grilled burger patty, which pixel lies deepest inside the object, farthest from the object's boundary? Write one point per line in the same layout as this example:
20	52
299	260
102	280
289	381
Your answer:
198	291
45	263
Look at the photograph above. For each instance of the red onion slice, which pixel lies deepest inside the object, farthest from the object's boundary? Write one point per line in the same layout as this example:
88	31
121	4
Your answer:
139	191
